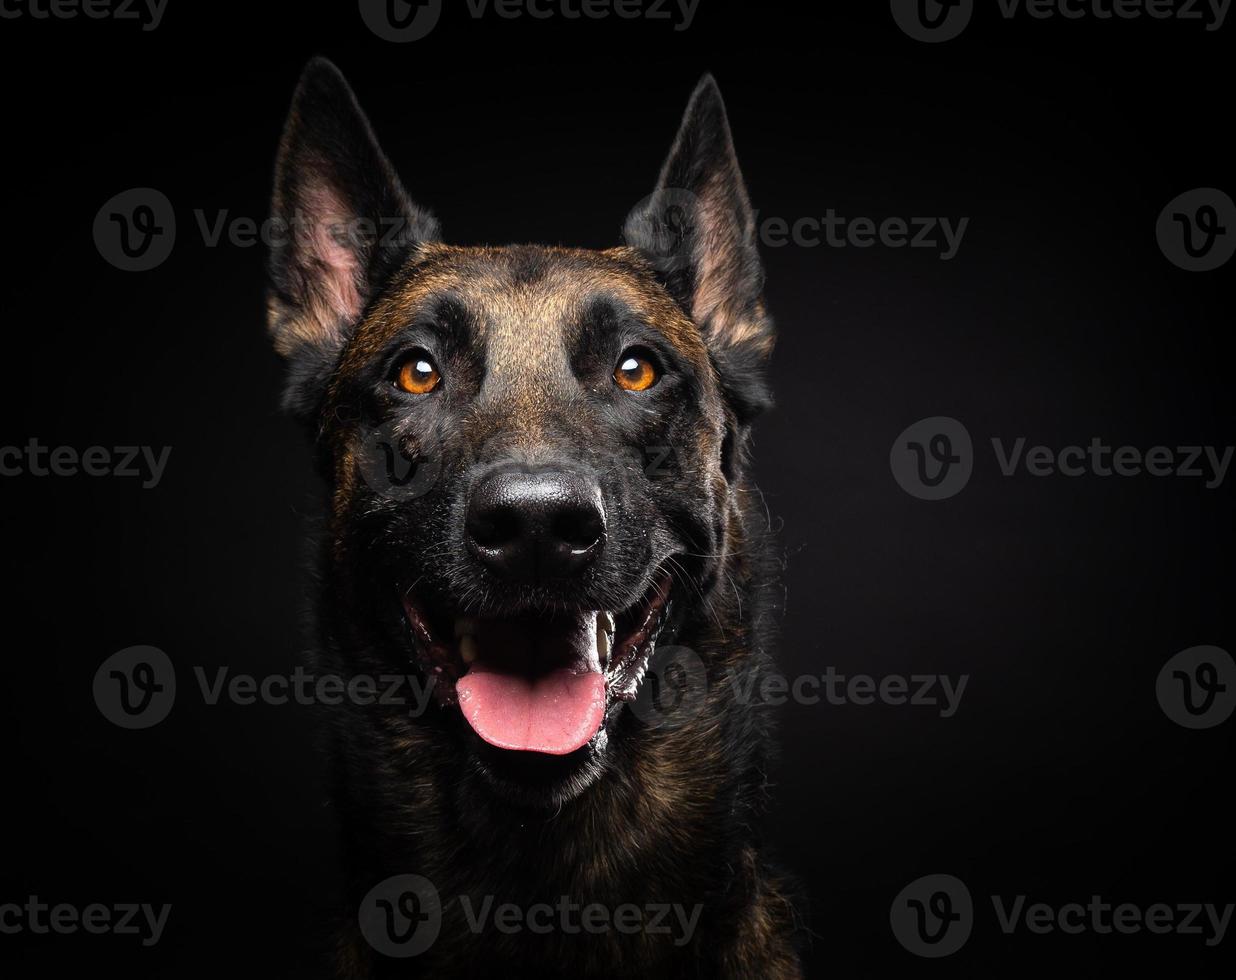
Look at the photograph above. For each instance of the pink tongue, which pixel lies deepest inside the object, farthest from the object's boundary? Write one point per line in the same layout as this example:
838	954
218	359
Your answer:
555	713
536	684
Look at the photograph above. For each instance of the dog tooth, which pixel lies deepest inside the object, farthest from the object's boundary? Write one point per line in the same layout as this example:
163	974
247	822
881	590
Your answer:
465	626
602	644
467	648
605	622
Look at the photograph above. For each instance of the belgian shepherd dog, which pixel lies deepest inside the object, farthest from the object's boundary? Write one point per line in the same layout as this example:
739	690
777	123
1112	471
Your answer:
539	509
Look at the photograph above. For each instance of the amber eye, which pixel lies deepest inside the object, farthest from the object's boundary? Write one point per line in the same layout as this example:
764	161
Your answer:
418	375
635	372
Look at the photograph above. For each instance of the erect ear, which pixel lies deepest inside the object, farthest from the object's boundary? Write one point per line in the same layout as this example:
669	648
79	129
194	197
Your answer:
341	222
698	231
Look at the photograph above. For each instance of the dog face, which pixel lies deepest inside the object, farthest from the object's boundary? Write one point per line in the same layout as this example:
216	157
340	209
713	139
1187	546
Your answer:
534	453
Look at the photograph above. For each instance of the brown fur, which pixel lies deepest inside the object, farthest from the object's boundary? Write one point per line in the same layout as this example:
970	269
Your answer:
667	815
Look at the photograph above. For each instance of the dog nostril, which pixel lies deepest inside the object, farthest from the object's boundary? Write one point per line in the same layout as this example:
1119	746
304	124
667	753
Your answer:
578	529
493	528
535	524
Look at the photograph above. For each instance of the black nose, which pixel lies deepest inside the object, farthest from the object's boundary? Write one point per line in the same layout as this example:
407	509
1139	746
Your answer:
531	525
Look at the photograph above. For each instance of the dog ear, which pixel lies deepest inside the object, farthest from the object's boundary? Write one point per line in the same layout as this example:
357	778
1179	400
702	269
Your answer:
341	221
698	231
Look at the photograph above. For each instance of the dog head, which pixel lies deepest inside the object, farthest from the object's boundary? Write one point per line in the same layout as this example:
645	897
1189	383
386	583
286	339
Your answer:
534	454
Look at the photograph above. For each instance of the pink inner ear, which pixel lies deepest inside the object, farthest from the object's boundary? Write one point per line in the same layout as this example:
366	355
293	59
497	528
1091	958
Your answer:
331	224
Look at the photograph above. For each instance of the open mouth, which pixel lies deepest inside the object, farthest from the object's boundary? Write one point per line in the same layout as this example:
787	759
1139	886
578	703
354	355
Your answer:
539	683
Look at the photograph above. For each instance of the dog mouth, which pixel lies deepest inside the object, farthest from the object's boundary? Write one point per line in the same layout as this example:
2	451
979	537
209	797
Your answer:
539	683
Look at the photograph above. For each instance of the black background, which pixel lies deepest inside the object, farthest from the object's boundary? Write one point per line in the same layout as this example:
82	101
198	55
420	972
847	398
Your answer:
1058	320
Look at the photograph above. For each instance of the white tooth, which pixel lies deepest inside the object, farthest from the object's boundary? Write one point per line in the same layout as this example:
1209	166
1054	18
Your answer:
605	630
465	626
467	648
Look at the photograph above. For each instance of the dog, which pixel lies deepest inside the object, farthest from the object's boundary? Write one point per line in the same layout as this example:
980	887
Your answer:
539	508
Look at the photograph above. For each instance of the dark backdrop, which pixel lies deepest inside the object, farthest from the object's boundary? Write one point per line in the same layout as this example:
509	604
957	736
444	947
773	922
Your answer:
1059	319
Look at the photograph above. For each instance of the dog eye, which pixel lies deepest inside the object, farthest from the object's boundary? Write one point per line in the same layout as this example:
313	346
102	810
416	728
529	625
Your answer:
635	371
417	374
